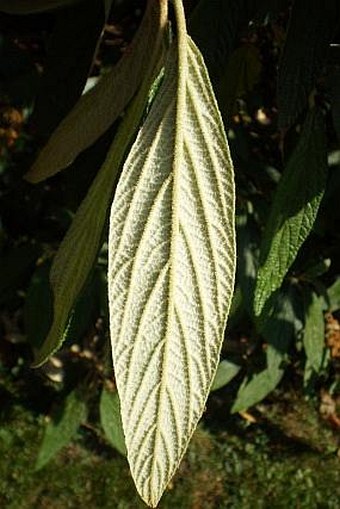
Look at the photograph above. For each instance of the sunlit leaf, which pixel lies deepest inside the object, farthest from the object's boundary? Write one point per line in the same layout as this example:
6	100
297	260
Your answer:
96	110
79	249
171	269
226	371
62	427
111	420
294	208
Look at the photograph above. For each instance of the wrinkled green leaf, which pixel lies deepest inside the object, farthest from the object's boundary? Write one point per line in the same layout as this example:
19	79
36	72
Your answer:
62	427
79	249
171	268
294	209
96	110
304	54
111	420
226	371
33	6
70	53
314	333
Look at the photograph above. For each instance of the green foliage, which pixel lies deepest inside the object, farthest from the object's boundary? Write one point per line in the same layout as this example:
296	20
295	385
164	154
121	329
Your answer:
60	430
294	209
147	141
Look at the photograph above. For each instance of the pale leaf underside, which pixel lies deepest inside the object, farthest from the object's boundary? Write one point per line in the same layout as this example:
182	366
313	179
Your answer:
171	271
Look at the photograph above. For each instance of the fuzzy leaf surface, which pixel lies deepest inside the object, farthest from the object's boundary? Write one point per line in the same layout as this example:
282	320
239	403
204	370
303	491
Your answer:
96	110
79	249
171	269
294	209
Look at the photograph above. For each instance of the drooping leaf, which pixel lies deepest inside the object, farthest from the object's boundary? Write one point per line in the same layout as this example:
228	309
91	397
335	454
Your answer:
304	54
79	249
111	420
294	208
171	268
33	6
62	427
70	53
226	371
314	333
96	110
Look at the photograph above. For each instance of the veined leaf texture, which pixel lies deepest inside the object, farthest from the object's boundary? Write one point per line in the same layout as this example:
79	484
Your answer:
171	269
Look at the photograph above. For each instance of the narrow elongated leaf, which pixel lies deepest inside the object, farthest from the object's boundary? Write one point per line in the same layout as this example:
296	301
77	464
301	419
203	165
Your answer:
304	54
253	391
78	250
171	269
333	293
62	427
111	420
70	53
294	209
96	110
314	333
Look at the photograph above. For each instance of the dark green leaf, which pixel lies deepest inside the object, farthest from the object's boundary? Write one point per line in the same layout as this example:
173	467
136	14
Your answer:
314	333
62	427
226	371
111	420
310	31
294	208
334	89
70	54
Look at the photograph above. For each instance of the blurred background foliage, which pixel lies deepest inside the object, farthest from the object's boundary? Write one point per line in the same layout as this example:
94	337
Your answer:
269	436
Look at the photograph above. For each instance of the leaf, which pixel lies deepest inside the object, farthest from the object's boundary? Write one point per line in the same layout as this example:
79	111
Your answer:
281	326
96	110
294	209
333	293
111	420
33	6
226	371
304	55
253	391
79	249
70	53
62	427
171	268
314	333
